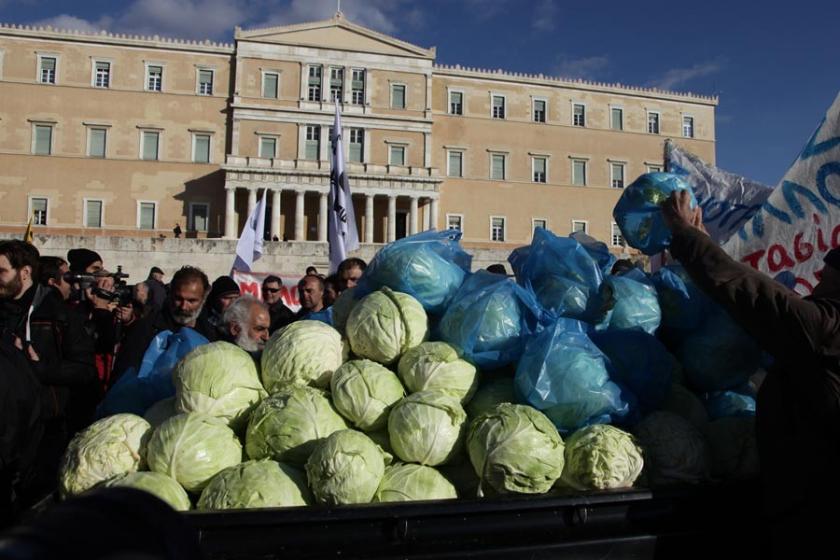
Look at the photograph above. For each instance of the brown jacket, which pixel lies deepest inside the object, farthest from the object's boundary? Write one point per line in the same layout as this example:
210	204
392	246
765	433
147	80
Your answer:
798	410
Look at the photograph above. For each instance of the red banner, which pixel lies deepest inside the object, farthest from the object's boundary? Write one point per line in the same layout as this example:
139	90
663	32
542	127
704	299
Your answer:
251	283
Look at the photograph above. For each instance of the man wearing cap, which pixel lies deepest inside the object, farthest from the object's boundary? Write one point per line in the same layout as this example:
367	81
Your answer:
273	297
223	293
798	405
157	290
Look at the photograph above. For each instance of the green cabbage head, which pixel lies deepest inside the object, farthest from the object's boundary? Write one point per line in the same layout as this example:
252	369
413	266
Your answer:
364	392
289	425
427	428
490	393
160	412
219	379
683	402
192	448
109	447
437	366
675	450
346	468
515	449
342	307
256	484
302	353
408	483
384	324
159	485
601	456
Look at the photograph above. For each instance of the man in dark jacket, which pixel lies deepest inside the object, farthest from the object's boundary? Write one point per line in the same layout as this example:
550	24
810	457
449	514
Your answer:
272	292
182	308
798	408
157	290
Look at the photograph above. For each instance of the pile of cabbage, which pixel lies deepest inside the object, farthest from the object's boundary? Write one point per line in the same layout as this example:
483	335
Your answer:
566	378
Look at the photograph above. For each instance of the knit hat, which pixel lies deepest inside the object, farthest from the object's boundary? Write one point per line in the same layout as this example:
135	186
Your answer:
80	259
832	258
223	286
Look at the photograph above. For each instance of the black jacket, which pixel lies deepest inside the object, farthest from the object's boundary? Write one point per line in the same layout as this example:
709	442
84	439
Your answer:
280	316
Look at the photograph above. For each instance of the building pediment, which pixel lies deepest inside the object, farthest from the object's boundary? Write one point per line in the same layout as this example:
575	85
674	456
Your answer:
338	34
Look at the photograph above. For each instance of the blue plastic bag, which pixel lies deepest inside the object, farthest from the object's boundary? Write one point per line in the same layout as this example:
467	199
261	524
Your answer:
722	404
559	271
638	212
430	266
640	363
488	319
626	302
563	374
135	391
598	250
719	355
683	305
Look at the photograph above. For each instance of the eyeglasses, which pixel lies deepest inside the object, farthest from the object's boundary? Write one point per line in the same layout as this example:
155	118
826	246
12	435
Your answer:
271	290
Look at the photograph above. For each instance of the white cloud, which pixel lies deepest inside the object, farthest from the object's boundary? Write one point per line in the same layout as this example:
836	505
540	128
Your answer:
382	15
66	21
546	15
189	19
587	68
676	77
486	9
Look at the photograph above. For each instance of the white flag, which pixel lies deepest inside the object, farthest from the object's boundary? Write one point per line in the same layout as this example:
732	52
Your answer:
250	246
342	232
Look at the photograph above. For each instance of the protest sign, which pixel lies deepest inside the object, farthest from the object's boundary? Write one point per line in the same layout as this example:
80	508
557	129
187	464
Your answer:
251	283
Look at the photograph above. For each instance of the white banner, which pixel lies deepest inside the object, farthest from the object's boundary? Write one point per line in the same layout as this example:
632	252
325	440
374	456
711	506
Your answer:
800	221
727	200
251	283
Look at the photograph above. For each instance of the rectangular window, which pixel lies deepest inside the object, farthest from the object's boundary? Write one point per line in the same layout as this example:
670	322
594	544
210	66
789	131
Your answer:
617	175
455	221
314	83
42	146
336	84
539	223
270	84
396	155
539	164
47	70
688	127
201	148
578	226
102	76
199	216
579	172
497	167
498	107
456	103
268	147
497	228
151	145
397	96
539	110
146	218
455	166
616	238
93	213
357	84
154	78
653	123
39	211
357	144
617	118
96	142
578	115
654	168
205	82
312	144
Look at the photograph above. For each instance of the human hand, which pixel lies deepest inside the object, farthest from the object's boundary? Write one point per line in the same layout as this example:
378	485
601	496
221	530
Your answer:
30	351
100	303
677	212
125	314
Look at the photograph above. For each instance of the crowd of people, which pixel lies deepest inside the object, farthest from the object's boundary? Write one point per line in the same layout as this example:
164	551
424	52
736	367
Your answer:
71	328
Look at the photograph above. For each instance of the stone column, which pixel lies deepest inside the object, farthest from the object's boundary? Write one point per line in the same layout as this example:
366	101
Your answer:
369	218
322	217
230	213
434	213
392	218
299	231
252	201
275	213
413	216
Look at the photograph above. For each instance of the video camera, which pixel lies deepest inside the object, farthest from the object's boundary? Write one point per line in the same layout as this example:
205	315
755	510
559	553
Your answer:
122	292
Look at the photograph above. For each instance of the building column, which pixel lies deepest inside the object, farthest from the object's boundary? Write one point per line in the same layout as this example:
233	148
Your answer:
412	219
275	213
369	218
322	217
299	231
230	212
252	201
434	213
392	218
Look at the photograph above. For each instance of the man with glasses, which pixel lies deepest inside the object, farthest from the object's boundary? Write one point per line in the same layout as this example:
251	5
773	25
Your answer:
272	295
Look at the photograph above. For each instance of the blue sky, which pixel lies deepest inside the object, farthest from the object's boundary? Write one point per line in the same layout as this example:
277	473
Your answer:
775	65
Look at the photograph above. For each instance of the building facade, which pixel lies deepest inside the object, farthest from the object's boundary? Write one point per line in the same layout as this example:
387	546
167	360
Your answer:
104	134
